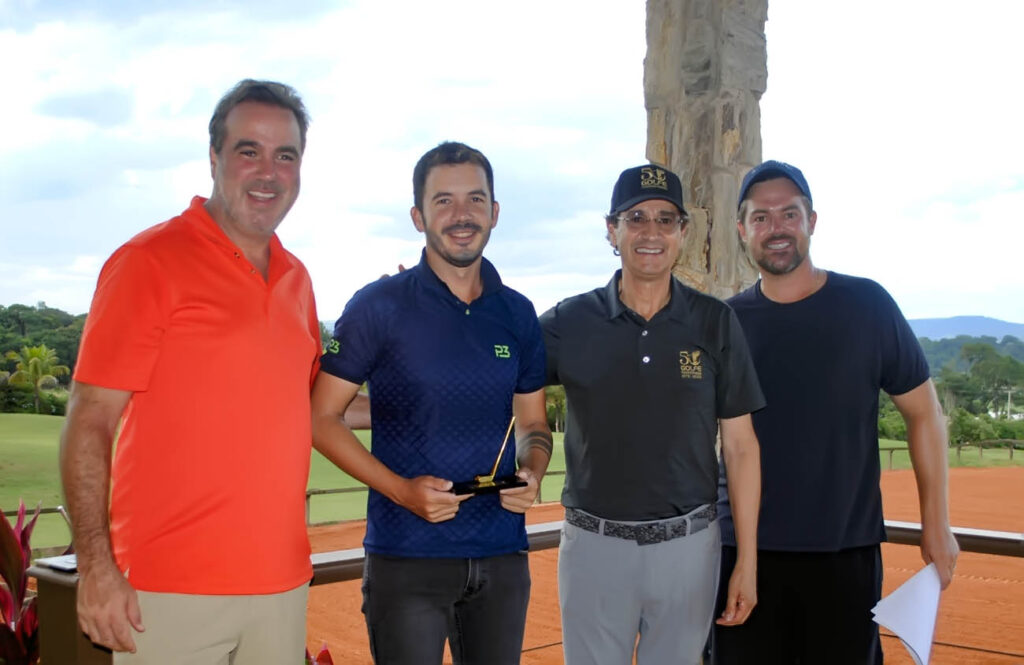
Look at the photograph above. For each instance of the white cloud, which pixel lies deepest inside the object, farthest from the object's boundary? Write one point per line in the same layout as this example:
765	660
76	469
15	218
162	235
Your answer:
901	114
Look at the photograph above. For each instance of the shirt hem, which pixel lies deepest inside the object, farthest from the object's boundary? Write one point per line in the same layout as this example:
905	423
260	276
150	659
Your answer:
229	590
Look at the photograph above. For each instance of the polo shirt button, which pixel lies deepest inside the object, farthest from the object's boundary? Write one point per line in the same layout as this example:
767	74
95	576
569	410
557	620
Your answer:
643	334
467	311
646	359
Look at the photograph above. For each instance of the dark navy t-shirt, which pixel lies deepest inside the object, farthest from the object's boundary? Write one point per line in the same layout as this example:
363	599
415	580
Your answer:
441	377
821	362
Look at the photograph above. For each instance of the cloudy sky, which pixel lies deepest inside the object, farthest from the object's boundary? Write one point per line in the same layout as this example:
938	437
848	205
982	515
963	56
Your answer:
904	117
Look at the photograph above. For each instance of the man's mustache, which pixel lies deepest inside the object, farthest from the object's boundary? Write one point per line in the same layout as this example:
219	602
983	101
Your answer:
464	226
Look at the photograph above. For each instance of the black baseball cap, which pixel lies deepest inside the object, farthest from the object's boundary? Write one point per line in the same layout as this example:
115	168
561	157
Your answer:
642	183
769	171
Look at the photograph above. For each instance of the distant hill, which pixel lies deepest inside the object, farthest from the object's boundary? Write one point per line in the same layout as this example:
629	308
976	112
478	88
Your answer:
972	326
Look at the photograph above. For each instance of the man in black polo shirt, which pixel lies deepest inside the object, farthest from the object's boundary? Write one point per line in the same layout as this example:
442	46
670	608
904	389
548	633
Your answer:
824	344
650	369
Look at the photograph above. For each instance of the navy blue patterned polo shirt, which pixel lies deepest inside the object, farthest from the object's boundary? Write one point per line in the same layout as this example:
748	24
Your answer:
441	377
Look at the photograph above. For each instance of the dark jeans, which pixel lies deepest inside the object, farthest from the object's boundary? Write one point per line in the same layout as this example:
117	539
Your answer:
812	607
479	605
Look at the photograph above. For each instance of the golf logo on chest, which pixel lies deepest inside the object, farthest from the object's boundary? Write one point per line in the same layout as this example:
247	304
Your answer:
689	365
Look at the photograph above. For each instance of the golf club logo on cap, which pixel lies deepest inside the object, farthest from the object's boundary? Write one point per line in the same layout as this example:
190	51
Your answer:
651	177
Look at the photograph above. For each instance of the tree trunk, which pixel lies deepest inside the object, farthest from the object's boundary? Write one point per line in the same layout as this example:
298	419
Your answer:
704	74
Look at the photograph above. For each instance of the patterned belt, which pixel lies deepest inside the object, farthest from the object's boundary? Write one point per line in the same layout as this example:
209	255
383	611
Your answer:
645	533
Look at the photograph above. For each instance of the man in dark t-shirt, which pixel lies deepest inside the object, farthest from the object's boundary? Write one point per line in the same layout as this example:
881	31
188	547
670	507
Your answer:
824	344
650	368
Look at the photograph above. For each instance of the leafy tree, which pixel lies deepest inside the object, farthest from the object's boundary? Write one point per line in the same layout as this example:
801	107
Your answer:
959	389
890	421
64	340
1008	429
555	402
943	353
968	428
38	367
1011	346
325	335
993	373
22	325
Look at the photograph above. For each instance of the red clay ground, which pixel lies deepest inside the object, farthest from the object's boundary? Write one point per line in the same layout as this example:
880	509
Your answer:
980	618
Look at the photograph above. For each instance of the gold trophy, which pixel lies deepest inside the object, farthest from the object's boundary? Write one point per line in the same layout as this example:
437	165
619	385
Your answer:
486	484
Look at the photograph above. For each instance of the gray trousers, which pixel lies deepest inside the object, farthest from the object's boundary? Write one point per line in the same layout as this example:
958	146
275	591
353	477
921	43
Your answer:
612	590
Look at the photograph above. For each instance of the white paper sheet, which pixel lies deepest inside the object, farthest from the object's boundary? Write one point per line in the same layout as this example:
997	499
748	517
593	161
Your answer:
65	562
910	612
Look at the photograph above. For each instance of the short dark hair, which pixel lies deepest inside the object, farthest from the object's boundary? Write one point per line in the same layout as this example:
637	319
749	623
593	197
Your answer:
263	92
447	154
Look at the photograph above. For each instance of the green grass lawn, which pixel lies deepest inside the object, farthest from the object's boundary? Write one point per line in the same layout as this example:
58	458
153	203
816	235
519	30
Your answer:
28	470
969	456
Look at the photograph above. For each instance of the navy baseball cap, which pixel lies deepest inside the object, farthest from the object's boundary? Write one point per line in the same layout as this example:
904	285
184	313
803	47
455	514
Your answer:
643	183
769	171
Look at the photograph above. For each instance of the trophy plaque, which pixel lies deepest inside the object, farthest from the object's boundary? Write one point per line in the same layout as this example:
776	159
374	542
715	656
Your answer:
488	483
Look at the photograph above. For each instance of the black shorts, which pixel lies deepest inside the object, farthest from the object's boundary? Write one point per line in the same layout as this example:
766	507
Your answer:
812	608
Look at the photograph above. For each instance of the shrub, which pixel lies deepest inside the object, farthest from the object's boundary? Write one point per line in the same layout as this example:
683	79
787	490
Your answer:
21	399
19	632
892	426
967	428
16	399
322	658
1008	429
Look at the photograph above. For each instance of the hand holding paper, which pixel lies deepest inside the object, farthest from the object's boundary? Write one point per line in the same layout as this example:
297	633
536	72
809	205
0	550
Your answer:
910	612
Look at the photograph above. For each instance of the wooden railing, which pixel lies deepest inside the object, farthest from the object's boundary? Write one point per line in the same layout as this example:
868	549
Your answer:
994	444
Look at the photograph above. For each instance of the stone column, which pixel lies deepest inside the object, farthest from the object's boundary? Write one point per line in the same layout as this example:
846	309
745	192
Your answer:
704	74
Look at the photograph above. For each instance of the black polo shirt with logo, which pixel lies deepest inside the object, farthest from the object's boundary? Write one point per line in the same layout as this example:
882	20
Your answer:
644	399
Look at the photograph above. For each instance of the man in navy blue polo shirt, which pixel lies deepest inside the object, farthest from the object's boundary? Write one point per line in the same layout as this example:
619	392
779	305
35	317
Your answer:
824	344
652	369
450	354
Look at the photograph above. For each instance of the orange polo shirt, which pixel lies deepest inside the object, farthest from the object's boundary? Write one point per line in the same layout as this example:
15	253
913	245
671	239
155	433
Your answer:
210	469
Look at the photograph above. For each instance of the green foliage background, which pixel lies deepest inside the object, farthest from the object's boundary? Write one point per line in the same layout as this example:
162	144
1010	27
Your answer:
975	374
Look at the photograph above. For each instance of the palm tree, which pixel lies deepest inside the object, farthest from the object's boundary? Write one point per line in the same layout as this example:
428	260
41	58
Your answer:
36	366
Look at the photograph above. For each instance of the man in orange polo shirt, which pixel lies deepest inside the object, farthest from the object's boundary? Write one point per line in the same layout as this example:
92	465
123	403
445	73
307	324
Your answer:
202	340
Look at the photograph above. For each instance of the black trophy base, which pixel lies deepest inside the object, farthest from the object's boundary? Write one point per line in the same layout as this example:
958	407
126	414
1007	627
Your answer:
487	487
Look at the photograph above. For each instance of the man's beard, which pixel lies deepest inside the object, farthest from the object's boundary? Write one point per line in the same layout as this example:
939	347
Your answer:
795	258
463	260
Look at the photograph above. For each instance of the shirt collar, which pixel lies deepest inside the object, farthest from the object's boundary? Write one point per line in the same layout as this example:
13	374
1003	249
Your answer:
200	219
611	296
677	309
488	275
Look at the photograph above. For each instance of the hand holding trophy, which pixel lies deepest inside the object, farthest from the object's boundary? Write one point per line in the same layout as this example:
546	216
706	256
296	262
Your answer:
488	483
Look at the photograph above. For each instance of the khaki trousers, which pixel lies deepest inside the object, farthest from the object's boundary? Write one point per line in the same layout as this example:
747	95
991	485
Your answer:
190	629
